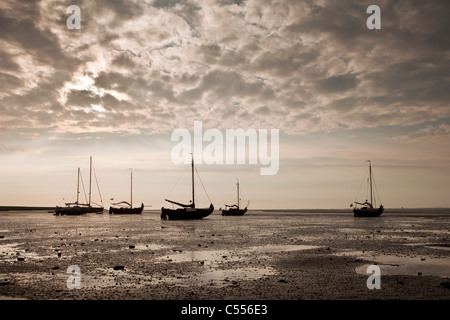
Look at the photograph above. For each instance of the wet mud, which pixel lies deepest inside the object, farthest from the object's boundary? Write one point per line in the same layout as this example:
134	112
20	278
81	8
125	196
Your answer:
275	255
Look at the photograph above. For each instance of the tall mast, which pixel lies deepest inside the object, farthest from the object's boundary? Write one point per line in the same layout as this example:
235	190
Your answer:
78	185
131	201
370	177
90	178
193	192
237	193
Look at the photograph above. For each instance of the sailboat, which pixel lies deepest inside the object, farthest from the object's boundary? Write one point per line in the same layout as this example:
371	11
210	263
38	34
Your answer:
368	209
77	208
128	208
187	211
234	209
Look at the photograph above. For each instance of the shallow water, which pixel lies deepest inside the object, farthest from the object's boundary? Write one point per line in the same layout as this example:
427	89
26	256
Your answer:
214	256
395	265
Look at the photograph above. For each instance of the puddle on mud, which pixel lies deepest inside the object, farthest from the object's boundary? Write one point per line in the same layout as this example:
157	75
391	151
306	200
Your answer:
304	238
394	265
219	278
11	298
438	247
111	278
207	256
143	247
215	256
10	252
283	248
433	246
351	231
139	247
9	248
211	277
426	231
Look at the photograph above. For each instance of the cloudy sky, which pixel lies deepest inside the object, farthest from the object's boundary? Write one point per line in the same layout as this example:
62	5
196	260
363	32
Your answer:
135	71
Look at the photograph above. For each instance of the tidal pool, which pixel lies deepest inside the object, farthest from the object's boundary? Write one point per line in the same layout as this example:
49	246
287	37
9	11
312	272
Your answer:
401	265
214	256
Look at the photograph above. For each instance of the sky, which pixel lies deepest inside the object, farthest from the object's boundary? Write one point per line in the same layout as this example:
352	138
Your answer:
135	71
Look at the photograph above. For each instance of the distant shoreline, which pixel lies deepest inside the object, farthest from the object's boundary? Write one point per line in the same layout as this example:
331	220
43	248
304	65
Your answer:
23	208
387	210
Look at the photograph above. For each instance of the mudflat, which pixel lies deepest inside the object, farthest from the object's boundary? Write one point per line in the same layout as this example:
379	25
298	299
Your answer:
263	255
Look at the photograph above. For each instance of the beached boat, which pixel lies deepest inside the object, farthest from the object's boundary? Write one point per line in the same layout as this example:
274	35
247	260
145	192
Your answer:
368	209
234	209
77	208
123	207
128	209
187	211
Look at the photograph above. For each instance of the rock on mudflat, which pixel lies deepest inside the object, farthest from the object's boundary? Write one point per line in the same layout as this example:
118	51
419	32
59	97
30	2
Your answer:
4	282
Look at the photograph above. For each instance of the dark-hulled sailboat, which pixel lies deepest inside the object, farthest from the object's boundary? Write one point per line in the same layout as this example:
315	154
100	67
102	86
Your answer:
77	208
187	211
123	207
235	210
368	209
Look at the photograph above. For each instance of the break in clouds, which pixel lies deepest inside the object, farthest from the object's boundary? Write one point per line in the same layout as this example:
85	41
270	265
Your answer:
153	66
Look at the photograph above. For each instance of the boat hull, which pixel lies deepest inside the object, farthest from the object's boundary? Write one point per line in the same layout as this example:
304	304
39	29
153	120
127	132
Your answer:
234	212
186	213
76	210
113	210
368	212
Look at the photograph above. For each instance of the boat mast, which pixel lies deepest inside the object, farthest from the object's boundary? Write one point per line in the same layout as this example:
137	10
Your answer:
237	193
78	185
131	201
90	179
193	192
370	177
